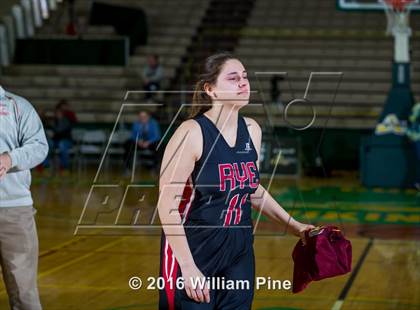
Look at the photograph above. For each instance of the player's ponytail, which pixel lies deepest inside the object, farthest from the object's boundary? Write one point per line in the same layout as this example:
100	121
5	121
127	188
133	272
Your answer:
202	102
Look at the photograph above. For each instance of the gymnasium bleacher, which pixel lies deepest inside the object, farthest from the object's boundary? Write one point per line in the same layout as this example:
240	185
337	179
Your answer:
102	208
296	37
299	37
83	86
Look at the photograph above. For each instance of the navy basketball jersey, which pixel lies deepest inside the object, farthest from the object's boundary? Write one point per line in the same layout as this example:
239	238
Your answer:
216	206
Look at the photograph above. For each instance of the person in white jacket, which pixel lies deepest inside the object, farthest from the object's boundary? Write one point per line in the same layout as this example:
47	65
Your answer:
23	146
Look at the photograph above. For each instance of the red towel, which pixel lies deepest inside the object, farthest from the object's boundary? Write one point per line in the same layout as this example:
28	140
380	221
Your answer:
327	254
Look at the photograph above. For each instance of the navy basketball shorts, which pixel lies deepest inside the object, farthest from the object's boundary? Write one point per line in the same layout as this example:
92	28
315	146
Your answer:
239	273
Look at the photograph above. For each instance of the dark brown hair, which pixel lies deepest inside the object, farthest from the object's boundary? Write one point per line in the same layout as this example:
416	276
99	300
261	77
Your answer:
212	66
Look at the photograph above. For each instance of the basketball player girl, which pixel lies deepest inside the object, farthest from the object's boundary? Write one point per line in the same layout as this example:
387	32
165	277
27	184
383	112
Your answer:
209	181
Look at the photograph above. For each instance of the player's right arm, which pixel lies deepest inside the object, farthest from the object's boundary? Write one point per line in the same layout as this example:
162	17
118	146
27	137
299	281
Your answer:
181	153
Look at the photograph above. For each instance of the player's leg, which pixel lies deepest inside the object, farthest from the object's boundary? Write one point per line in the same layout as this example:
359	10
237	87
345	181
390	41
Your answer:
242	269
163	295
169	271
172	298
177	299
19	257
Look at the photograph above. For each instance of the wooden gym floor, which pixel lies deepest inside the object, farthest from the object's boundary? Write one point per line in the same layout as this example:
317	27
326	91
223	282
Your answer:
91	270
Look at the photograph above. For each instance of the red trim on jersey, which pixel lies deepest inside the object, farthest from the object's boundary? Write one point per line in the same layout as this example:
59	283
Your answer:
170	271
169	262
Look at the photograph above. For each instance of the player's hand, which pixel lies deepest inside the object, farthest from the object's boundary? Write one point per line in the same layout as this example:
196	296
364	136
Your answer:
191	273
5	164
301	229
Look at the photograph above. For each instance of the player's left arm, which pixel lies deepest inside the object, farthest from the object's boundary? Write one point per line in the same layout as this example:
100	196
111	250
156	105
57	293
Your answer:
262	201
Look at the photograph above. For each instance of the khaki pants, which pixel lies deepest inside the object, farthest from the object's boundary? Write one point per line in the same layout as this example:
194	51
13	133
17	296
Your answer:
19	256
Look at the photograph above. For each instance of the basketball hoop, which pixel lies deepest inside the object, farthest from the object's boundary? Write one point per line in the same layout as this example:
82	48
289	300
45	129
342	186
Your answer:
398	13
399	5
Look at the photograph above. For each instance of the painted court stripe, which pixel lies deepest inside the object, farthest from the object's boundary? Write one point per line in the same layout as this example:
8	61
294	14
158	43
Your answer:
73	261
338	304
65	244
80	258
60	247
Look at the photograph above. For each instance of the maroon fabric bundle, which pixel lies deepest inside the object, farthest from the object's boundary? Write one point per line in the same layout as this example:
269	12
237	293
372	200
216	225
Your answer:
327	254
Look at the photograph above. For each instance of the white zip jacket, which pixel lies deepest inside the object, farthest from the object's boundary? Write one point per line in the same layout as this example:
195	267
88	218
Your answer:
22	136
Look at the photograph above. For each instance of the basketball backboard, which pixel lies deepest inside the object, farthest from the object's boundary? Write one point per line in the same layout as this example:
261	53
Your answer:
369	5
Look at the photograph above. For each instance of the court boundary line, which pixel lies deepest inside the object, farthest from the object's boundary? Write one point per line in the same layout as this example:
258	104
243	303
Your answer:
80	258
344	292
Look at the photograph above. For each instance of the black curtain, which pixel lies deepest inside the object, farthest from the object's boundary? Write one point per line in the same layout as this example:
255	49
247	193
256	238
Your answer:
126	21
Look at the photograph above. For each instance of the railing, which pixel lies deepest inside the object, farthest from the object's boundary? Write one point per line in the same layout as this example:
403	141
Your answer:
20	22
